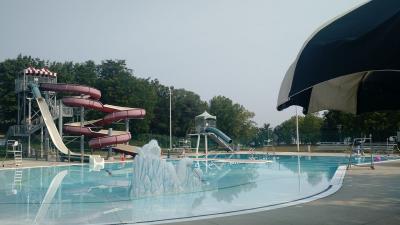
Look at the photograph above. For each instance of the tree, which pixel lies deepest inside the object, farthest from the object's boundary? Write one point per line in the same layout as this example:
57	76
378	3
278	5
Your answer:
119	87
233	119
263	136
286	131
380	124
186	105
310	128
9	69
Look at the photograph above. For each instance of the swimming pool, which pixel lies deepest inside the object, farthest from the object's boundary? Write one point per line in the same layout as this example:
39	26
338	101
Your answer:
76	194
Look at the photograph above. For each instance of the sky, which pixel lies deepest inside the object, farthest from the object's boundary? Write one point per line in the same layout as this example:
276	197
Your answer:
240	49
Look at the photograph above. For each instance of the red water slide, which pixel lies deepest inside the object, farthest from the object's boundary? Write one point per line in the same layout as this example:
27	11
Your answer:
88	98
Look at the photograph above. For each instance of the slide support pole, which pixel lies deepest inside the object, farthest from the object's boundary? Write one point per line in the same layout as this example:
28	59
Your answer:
82	137
198	144
109	148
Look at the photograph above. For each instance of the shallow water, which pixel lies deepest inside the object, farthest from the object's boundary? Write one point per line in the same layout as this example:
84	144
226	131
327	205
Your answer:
75	194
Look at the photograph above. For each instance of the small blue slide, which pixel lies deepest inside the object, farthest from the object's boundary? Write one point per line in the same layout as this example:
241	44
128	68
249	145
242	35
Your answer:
220	137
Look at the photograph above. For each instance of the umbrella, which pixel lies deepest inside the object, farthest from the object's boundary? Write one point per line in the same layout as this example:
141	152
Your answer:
350	64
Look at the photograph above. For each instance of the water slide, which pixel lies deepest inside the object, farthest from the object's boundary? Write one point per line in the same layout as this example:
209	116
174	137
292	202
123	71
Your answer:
89	99
220	137
51	127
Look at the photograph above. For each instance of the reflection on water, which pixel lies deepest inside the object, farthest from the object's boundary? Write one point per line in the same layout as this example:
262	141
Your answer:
232	183
118	193
316	169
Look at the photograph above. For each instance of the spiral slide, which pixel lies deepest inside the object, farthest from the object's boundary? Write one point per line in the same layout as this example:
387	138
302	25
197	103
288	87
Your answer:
53	132
89	99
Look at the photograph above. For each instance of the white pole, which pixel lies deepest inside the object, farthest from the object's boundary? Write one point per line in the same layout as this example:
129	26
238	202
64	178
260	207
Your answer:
198	144
297	131
82	136
29	125
298	149
206	144
127	128
170	120
109	154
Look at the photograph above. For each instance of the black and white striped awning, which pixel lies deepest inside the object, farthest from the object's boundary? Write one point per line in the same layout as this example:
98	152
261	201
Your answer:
39	72
350	64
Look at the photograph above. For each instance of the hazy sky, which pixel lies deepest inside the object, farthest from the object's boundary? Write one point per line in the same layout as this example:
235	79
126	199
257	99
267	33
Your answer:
237	48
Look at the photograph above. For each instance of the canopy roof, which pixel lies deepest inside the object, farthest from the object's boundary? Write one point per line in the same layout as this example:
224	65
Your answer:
349	64
205	115
39	72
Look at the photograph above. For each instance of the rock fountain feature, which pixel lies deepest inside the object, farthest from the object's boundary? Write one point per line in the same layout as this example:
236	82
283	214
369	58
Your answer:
154	176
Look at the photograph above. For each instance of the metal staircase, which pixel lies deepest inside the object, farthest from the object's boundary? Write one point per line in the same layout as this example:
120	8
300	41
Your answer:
37	123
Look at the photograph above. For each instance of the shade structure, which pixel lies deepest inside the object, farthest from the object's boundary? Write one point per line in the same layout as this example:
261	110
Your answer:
350	64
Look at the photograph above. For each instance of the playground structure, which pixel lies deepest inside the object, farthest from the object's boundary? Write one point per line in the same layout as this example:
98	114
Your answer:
206	125
41	85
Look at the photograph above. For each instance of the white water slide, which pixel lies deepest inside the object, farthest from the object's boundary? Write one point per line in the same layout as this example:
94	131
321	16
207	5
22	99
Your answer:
55	136
51	127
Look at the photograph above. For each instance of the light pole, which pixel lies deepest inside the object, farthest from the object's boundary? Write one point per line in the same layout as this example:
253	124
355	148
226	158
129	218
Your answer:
170	121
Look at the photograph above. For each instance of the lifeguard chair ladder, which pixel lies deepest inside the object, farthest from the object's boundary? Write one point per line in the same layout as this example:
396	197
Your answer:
16	150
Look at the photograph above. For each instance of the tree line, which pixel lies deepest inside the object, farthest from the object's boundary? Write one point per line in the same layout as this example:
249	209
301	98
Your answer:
335	126
120	86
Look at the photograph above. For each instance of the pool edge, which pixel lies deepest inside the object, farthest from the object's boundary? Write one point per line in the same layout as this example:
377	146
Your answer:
335	184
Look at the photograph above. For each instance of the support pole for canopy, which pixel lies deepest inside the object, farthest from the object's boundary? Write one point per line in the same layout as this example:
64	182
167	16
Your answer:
170	121
297	131
370	147
298	149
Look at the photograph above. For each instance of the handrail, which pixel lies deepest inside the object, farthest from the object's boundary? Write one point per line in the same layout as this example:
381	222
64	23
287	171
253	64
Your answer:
361	141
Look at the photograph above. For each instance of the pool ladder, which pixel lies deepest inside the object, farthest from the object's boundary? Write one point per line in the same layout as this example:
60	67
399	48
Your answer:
359	146
17	184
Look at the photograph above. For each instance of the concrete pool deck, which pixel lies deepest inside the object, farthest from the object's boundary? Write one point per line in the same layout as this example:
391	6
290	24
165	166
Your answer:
366	197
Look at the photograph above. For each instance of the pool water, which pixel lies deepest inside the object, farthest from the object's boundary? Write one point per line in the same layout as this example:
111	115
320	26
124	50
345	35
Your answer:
78	195
356	159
